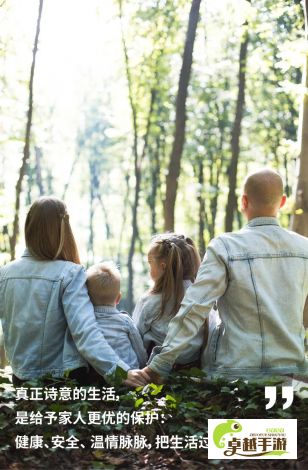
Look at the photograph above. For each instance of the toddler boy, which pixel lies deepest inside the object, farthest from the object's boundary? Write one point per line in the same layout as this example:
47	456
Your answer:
103	281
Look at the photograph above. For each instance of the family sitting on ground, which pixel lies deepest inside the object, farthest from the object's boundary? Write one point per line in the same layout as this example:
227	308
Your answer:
239	313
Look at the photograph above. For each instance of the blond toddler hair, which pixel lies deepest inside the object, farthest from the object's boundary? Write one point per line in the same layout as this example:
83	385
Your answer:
103	281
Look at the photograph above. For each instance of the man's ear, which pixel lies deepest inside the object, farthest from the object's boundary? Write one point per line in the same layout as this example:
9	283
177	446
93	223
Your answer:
244	202
283	201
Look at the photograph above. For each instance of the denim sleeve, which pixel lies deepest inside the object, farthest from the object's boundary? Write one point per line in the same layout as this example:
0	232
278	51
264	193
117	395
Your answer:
142	317
136	342
81	321
211	283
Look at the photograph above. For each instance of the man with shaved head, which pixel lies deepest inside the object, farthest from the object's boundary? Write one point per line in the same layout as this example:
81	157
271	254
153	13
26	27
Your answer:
263	194
259	278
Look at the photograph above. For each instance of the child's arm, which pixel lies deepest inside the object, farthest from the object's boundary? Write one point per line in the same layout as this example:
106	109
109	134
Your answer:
136	342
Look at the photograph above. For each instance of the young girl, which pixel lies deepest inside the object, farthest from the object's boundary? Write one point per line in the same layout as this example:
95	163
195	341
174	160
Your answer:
48	321
174	261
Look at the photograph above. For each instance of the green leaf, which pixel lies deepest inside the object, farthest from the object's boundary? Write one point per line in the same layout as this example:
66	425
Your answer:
118	376
139	402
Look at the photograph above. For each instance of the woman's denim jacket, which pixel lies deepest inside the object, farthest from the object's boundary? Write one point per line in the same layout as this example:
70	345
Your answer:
48	320
259	276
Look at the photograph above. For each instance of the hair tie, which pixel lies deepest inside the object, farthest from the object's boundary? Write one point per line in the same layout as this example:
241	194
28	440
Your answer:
168	243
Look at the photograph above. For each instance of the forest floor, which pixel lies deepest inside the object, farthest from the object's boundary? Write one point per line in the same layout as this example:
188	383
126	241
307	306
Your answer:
155	427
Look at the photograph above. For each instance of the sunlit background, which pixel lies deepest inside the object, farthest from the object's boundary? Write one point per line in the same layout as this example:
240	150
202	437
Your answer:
83	116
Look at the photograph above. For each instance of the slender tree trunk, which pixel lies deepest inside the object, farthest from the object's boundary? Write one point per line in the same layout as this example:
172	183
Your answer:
202	212
155	172
70	174
107	224
49	181
180	118
28	193
236	132
219	162
137	165
300	218
91	230
38	169
124	216
213	197
26	153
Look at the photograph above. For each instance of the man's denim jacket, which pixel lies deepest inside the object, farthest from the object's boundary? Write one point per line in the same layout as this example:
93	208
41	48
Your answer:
48	320
259	277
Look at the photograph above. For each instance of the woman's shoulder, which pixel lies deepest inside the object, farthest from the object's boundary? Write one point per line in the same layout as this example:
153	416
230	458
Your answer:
28	266
150	298
69	271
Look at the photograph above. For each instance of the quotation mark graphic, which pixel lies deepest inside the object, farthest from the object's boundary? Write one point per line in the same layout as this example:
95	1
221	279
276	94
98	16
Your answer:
271	395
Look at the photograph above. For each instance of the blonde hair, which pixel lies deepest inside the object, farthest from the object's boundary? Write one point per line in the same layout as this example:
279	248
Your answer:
103	281
182	263
48	232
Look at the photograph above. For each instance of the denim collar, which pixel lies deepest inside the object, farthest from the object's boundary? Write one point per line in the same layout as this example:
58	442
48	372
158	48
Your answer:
263	221
106	309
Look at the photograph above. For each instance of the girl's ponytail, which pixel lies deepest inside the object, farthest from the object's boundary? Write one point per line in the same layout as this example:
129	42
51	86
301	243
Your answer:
172	283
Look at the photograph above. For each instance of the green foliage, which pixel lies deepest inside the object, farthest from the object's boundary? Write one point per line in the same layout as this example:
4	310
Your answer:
118	376
184	405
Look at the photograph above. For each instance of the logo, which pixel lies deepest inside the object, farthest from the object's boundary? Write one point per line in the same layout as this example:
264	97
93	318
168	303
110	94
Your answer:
252	439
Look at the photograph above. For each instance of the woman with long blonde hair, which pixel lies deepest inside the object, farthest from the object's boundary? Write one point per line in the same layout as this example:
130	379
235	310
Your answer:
48	321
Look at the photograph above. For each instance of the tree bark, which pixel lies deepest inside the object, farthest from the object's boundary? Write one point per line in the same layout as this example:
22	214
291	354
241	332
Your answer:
300	218
26	152
107	224
73	166
137	165
38	169
91	230
138	159
201	211
180	118
236	132
155	182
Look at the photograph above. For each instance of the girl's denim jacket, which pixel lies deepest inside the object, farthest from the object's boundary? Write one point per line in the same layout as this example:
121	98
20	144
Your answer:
48	320
259	278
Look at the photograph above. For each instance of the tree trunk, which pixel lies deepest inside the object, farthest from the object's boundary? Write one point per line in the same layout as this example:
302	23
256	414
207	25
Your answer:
26	153
91	230
155	183
124	216
137	166
38	169
180	118
107	224
236	132
201	211
74	163
300	218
